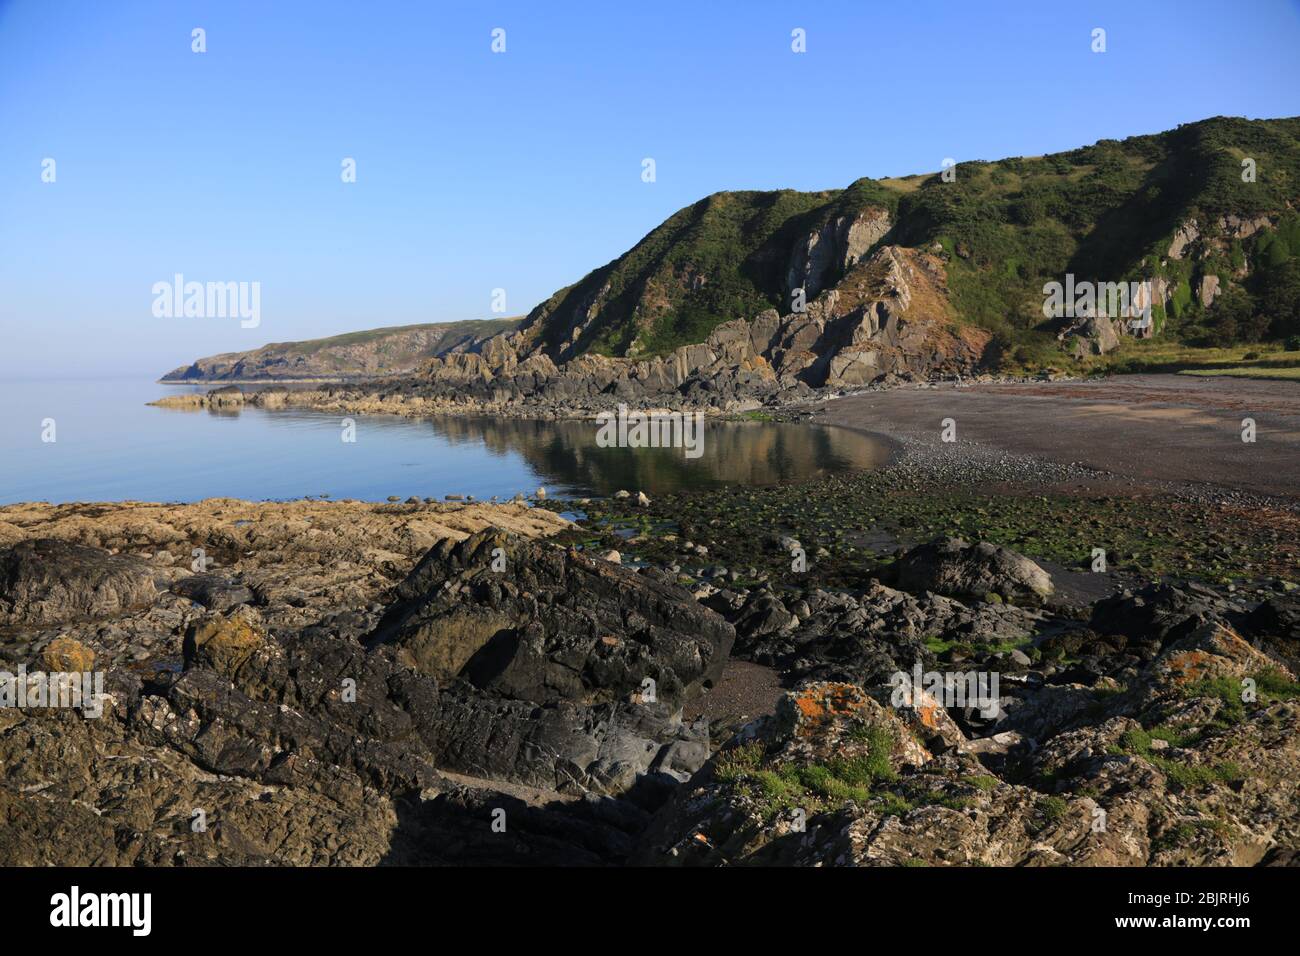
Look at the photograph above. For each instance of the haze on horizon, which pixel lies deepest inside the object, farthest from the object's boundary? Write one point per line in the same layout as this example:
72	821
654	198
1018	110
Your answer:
519	170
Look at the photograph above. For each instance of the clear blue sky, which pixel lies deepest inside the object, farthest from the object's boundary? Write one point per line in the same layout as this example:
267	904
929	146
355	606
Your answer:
520	170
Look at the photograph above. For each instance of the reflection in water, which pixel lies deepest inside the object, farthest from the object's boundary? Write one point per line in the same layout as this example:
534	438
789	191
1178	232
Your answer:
566	455
113	446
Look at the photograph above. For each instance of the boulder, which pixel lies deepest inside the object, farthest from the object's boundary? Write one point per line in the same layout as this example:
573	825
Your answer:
213	591
1278	617
226	396
829	744
951	567
224	644
47	581
1211	652
1157	614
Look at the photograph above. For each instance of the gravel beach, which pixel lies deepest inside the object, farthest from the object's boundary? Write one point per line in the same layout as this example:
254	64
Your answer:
1146	428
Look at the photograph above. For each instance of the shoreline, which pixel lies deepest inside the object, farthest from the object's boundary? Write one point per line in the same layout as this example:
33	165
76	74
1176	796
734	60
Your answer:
1153	429
478	682
220	383
423	397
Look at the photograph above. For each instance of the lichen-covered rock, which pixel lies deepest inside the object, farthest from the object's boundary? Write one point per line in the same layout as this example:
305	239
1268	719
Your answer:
67	655
1212	652
824	719
349	709
224	644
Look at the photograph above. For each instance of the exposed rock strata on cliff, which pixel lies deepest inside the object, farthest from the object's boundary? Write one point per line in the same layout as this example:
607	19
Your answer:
888	319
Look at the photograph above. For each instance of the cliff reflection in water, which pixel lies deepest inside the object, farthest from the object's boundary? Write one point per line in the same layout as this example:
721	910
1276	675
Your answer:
735	453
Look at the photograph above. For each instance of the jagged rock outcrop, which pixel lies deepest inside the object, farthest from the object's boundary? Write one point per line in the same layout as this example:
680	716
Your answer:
1207	290
866	636
266	731
887	319
360	695
831	251
534	622
1186	234
1171	767
641	324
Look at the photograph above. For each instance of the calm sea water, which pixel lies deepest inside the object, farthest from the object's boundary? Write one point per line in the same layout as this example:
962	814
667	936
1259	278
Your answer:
111	446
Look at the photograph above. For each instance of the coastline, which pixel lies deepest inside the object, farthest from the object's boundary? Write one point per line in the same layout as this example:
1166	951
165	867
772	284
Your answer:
218	383
1138	427
479	682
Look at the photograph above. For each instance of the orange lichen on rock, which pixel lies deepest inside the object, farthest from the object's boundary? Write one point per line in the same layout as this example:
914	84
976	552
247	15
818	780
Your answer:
1188	666
825	719
819	703
1210	652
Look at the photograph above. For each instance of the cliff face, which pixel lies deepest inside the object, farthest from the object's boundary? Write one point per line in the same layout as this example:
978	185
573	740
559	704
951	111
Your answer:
911	278
1206	213
889	317
355	355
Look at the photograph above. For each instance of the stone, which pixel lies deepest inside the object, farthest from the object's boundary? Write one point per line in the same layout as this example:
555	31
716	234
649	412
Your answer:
48	581
534	632
215	592
951	567
224	644
1207	290
67	655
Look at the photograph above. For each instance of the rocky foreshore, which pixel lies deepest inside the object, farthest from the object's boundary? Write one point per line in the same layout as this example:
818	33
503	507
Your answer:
340	683
411	397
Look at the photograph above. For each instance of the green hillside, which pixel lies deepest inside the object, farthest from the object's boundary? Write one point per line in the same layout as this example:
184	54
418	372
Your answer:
1105	212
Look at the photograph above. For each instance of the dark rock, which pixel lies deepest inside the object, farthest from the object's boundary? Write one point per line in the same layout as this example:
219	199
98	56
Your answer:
214	592
1157	614
761	615
1277	617
48	581
552	626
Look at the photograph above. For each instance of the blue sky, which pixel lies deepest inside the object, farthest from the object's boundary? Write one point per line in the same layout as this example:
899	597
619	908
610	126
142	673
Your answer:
520	170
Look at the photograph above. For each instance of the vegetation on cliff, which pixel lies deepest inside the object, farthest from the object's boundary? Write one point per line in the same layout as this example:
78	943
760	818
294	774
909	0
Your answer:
1106	212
